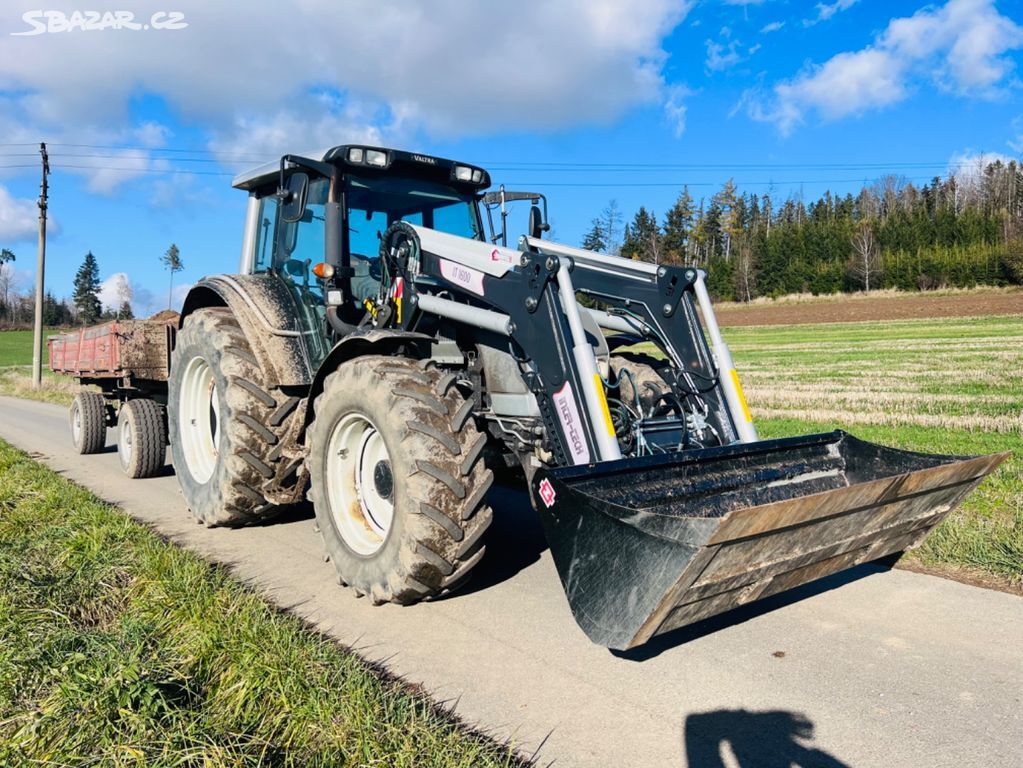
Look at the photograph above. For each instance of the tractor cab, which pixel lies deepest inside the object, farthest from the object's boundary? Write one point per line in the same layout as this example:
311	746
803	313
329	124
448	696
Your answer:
316	223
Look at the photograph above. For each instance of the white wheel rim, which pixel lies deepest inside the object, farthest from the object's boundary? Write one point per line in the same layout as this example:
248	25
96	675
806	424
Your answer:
125	441
360	485
198	423
76	423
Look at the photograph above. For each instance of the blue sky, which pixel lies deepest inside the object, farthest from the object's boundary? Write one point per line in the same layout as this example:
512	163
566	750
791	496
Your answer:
586	100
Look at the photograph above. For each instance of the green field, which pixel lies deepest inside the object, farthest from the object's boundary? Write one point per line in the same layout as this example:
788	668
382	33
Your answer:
942	386
120	649
16	347
16	370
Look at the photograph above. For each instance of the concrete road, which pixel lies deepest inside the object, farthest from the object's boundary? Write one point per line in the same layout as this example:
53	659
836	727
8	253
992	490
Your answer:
873	668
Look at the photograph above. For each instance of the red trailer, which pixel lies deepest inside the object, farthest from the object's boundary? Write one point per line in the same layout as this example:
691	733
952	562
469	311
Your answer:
128	361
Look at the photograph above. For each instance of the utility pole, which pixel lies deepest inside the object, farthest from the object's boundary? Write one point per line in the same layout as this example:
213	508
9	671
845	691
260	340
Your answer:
37	338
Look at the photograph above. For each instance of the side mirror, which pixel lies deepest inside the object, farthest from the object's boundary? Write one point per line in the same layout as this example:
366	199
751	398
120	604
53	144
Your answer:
536	223
294	197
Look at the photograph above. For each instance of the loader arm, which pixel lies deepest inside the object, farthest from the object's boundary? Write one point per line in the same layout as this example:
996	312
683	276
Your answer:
529	298
648	542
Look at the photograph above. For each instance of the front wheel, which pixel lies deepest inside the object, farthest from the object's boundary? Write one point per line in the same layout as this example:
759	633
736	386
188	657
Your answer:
398	479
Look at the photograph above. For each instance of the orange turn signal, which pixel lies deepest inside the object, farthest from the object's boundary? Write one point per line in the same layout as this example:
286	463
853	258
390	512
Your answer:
323	270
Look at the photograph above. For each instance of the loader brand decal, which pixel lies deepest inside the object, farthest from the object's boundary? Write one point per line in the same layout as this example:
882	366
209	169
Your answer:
468	278
568	412
547	493
498	255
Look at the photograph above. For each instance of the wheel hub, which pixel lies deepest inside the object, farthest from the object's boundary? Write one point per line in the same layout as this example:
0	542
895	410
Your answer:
383	479
360	483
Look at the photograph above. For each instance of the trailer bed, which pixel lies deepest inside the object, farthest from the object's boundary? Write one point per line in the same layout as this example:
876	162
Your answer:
119	349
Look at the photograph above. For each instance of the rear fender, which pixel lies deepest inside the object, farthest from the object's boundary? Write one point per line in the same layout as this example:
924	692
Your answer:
359	344
266	314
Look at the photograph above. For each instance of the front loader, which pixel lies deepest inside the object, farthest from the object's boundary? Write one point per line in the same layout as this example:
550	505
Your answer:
379	351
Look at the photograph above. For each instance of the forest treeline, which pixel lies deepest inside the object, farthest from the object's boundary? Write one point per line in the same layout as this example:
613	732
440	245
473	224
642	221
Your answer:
959	231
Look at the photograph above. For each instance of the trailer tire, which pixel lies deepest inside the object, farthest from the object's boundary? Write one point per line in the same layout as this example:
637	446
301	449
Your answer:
142	438
88	417
220	413
413	527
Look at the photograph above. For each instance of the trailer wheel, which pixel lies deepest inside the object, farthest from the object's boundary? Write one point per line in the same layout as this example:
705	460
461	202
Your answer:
224	422
141	439
398	479
88	416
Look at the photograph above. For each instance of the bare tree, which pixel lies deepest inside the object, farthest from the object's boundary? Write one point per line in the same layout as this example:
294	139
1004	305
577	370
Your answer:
745	278
866	261
611	226
124	295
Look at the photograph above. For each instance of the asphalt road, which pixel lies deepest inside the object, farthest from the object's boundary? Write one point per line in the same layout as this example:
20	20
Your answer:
872	668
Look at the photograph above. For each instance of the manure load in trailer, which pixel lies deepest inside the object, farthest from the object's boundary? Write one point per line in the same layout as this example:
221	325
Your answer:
382	356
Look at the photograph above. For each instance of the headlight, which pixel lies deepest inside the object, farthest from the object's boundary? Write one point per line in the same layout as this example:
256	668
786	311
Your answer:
355	155
374	157
477	176
463	173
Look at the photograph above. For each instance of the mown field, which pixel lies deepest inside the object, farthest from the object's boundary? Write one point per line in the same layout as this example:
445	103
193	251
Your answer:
946	385
952	386
119	649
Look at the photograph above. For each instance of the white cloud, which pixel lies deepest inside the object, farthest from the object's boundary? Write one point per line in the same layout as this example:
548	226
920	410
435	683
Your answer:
675	108
115	290
70	143
1016	142
449	68
970	164
19	218
961	46
727	52
774	26
826	10
722	55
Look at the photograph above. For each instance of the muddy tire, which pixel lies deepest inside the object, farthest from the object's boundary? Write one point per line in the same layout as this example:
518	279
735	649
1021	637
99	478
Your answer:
225	423
88	419
141	438
398	479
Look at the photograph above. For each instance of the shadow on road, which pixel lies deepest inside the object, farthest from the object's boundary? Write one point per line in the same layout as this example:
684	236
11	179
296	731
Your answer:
726	738
516	539
683	635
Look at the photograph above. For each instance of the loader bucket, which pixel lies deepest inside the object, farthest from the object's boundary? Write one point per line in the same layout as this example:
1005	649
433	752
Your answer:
646	545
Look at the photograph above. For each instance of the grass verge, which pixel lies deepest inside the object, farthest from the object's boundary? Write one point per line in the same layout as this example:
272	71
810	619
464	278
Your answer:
120	649
16	381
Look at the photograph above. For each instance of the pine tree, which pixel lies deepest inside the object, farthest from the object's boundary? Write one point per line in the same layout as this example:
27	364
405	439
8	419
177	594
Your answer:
595	239
678	224
171	260
125	312
643	237
86	295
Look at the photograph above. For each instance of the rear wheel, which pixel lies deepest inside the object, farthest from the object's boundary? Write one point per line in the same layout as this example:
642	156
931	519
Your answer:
88	417
226	424
142	438
398	479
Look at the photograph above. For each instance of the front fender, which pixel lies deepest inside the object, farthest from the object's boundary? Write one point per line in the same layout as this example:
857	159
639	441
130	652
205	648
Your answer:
266	313
359	344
